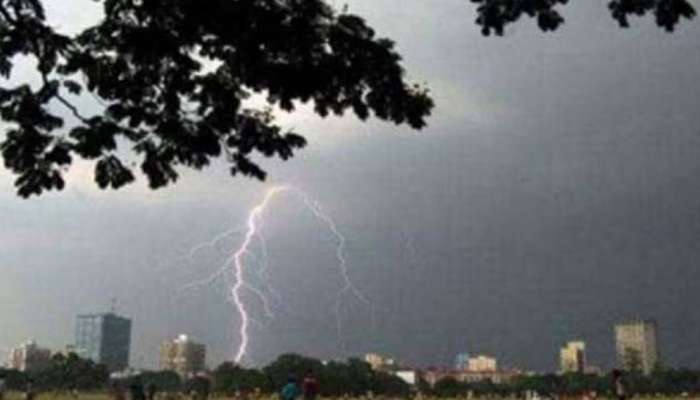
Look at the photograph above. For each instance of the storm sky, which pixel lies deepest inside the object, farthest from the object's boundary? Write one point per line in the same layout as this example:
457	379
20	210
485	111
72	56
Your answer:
555	192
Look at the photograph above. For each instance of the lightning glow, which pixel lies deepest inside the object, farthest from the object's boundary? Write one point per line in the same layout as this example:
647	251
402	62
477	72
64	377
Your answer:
348	286
239	270
243	257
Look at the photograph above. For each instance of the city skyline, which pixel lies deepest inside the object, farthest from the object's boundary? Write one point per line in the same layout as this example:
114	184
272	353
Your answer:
187	357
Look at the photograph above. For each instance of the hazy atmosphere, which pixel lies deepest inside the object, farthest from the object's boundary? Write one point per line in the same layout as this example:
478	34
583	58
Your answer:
554	192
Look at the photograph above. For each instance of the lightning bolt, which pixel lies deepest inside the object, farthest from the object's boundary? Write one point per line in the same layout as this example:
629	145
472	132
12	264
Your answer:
234	267
239	267
348	287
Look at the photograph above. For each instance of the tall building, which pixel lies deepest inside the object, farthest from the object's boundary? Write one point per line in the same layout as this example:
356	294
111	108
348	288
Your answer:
572	357
482	363
183	356
105	339
636	345
29	357
462	361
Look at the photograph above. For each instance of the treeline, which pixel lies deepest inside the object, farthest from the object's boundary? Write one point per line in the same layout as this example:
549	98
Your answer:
661	381
62	373
352	377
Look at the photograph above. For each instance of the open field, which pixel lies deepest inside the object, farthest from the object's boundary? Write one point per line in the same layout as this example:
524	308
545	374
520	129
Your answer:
105	396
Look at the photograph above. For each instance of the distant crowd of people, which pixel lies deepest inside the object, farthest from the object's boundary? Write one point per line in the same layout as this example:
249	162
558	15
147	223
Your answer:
308	389
29	393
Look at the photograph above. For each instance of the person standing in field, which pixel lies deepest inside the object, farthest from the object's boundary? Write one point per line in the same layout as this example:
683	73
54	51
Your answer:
619	385
310	386
29	391
151	391
290	391
136	390
118	391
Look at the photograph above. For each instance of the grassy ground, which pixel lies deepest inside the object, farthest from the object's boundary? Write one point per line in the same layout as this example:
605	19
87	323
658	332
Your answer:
105	396
58	396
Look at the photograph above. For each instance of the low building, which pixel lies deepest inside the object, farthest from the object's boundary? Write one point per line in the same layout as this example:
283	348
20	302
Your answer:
409	376
482	363
433	376
29	357
379	362
572	357
183	356
462	361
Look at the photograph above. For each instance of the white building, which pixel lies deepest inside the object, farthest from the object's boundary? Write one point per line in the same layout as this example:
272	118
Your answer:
29	357
636	345
482	363
379	363
572	357
408	376
183	356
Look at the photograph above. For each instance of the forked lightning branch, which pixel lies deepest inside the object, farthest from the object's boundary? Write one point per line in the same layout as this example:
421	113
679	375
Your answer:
237	264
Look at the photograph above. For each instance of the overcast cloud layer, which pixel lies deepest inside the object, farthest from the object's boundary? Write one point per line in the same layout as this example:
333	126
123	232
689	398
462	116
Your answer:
555	192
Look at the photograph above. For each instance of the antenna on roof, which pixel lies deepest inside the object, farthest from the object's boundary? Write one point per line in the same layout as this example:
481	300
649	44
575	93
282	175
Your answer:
113	305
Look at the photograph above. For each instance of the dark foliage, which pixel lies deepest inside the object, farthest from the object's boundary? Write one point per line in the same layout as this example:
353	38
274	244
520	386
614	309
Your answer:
69	373
200	385
14	380
662	381
229	378
288	365
173	77
449	387
163	381
353	377
495	15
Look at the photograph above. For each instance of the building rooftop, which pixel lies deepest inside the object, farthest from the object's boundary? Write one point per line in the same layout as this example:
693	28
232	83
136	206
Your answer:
104	314
635	321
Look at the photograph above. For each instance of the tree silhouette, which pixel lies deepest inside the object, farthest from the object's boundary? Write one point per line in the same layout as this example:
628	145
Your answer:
337	378
494	15
173	77
70	372
174	80
229	378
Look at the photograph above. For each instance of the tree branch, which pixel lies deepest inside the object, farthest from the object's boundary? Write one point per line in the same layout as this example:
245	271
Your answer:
5	14
73	109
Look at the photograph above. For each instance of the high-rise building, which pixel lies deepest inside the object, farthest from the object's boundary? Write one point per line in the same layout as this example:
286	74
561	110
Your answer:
572	357
636	345
462	361
482	363
183	356
29	357
104	339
